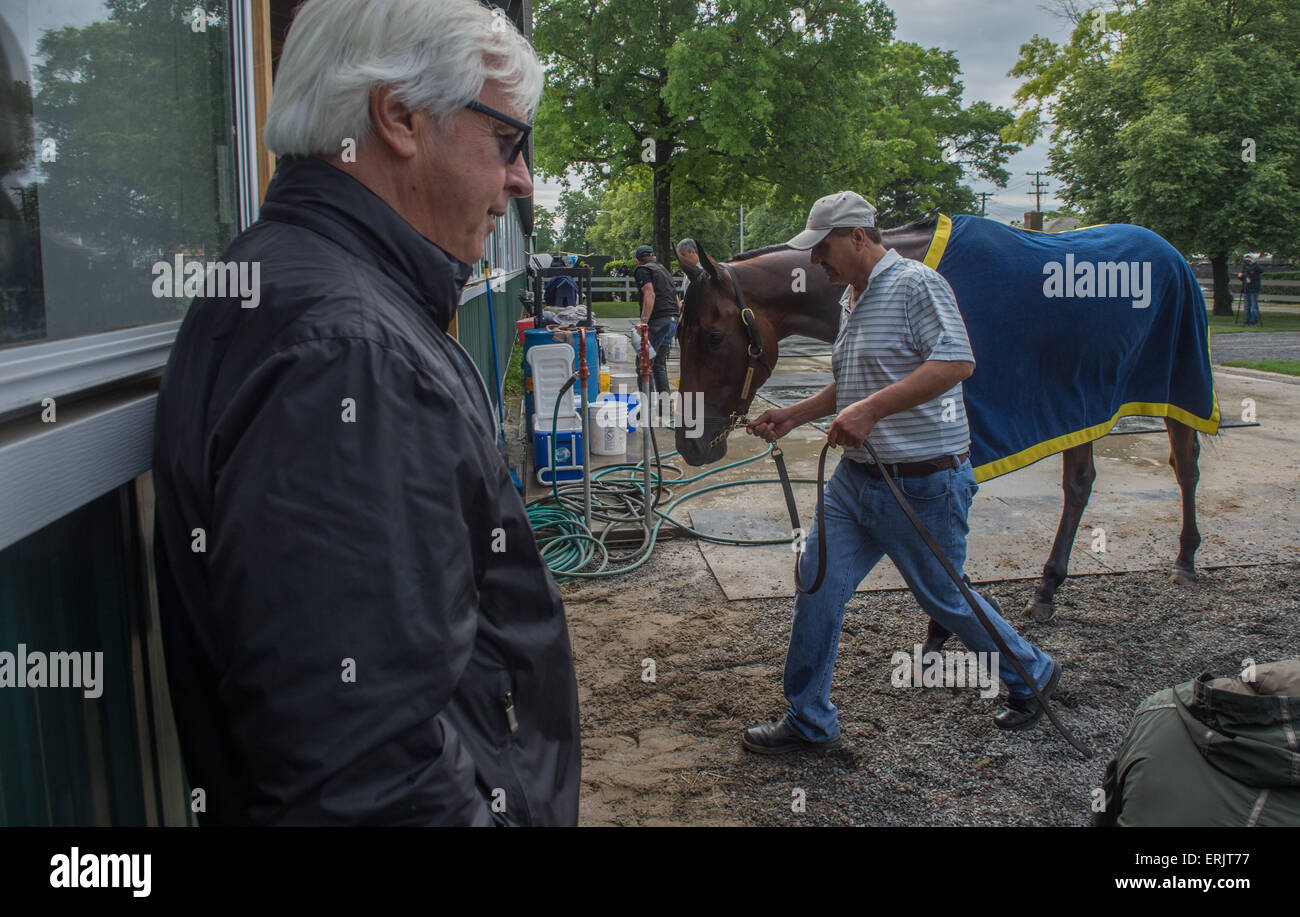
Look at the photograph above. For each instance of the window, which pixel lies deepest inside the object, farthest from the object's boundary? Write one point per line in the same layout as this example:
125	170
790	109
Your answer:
118	153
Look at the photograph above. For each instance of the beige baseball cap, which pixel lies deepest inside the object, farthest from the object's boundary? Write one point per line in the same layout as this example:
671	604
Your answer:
843	209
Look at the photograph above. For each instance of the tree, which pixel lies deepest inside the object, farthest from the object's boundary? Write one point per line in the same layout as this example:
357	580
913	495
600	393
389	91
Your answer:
755	102
921	139
720	93
627	220
544	228
578	210
1178	116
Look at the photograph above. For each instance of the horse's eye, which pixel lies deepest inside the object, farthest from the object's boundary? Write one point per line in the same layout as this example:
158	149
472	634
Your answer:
715	340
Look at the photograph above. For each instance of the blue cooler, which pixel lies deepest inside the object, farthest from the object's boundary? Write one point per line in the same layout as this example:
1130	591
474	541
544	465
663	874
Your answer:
537	336
568	449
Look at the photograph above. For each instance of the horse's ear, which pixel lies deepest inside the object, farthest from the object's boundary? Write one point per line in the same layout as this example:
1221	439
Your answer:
706	265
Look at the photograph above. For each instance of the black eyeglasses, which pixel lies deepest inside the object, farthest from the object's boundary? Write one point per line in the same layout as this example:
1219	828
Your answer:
510	150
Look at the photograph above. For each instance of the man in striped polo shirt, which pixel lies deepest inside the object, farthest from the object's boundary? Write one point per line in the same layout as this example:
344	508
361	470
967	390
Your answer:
899	360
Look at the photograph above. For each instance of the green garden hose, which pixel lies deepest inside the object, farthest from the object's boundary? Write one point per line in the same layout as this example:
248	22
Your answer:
573	551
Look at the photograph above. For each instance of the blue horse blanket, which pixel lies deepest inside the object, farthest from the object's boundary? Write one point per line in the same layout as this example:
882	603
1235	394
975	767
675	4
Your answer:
1072	331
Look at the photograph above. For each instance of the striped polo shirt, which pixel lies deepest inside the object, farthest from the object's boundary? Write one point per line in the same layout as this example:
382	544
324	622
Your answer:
906	315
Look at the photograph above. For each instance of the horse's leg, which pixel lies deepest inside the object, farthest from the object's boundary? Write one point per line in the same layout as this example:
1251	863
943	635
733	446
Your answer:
1076	481
1184	451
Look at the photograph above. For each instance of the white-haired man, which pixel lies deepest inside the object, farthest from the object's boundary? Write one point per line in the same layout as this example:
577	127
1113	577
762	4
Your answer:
358	627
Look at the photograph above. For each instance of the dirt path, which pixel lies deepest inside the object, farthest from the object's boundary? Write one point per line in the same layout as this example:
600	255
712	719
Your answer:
667	751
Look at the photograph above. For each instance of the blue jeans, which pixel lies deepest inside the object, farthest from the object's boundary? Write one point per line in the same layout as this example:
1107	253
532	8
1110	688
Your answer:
661	336
1252	306
864	524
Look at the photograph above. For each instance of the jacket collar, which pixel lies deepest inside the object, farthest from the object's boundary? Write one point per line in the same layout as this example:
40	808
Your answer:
311	193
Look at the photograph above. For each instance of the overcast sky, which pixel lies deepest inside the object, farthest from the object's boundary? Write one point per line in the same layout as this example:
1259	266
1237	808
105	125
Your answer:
986	36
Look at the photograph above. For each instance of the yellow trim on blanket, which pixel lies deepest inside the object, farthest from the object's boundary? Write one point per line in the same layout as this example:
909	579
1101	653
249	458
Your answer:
985	472
1059	444
942	230
1061	232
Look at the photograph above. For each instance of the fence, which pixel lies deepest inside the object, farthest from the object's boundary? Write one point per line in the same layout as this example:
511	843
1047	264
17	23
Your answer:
1277	292
623	288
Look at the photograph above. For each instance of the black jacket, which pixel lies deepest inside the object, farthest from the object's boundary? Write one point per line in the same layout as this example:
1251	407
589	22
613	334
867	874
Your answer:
368	635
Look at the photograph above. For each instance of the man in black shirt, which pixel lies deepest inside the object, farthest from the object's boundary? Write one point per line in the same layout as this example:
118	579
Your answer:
1250	287
659	307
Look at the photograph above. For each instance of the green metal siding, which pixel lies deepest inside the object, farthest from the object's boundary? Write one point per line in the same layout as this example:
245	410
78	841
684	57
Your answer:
474	333
66	759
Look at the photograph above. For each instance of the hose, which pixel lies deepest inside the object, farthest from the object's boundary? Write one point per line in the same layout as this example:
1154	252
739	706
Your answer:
573	551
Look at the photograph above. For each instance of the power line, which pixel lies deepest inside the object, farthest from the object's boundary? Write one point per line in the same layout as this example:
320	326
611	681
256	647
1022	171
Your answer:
1040	188
984	196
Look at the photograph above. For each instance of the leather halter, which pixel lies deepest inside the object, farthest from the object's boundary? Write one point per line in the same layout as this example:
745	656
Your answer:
738	416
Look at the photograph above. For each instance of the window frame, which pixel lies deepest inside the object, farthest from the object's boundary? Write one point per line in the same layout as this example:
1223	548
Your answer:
33	371
49	470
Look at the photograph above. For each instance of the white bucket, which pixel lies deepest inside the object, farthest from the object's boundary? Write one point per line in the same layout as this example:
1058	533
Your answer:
615	347
623	383
607	427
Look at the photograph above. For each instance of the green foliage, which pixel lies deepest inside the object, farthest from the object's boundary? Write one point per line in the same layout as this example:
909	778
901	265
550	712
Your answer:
544	227
578	210
684	111
1155	121
620	268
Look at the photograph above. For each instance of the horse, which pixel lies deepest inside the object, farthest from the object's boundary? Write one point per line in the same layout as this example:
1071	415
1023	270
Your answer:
1027	343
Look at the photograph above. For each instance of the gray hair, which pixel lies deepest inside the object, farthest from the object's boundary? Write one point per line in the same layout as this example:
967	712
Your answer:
436	53
687	245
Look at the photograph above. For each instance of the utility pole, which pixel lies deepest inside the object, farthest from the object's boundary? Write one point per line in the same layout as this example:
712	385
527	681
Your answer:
1040	188
984	196
742	227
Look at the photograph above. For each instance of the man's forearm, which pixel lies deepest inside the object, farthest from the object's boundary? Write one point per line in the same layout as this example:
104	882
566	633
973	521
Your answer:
925	383
819	405
647	306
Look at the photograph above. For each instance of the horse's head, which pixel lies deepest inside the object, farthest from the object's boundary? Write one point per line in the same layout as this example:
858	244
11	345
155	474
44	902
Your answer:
715	347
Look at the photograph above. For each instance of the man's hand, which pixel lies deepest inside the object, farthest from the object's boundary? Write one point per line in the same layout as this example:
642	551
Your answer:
772	425
853	425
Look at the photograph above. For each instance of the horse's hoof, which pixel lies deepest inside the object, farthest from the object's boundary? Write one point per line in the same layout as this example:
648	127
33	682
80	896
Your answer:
1183	577
1042	612
933	646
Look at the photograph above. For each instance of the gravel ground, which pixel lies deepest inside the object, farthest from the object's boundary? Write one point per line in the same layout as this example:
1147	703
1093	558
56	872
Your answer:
667	751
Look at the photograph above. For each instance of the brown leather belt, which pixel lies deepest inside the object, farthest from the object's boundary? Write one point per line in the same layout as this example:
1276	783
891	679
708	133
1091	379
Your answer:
917	469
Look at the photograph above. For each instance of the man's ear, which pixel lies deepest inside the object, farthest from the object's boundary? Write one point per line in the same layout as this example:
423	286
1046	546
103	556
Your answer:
395	125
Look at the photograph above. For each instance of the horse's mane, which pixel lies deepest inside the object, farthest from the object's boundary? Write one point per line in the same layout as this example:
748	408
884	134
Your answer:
928	222
755	252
